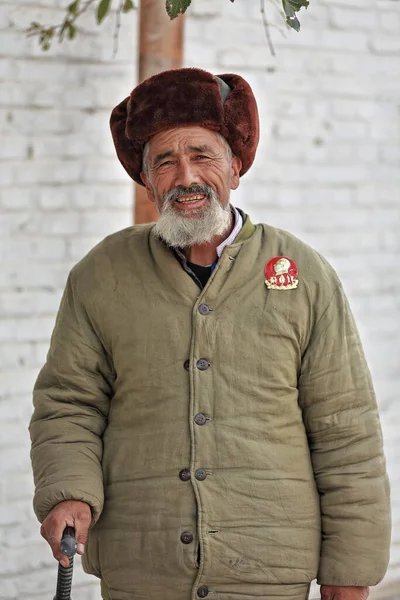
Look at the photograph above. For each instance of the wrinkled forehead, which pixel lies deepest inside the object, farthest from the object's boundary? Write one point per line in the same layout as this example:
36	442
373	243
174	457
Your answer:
179	139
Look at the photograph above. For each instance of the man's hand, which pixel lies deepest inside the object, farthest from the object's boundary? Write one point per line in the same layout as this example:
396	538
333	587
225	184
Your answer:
71	513
333	592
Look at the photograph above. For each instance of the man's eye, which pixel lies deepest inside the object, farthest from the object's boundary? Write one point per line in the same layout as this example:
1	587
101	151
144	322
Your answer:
166	162
201	156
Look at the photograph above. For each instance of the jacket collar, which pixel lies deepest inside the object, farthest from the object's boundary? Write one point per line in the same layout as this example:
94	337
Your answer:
247	230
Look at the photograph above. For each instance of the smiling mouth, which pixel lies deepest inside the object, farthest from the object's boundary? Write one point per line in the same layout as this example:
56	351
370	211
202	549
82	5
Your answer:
191	199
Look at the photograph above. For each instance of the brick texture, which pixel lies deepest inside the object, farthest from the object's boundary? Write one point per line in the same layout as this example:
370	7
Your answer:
328	169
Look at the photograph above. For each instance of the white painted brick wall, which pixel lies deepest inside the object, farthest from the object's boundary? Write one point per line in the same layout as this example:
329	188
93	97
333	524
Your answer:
327	169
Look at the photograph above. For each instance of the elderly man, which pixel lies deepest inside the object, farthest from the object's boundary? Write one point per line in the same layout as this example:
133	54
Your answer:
206	410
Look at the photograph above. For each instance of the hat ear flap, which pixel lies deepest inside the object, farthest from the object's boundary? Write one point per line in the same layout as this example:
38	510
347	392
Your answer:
241	121
127	150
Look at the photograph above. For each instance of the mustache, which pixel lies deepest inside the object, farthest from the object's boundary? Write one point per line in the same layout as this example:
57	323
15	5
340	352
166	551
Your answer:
178	192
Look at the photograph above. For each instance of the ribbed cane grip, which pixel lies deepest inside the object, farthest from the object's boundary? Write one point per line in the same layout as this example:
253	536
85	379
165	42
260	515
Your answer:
64	578
64	581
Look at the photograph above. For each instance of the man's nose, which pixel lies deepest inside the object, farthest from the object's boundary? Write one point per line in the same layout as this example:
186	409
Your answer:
186	174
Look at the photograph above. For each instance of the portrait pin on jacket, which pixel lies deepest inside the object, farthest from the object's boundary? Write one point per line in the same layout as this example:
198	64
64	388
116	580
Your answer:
281	273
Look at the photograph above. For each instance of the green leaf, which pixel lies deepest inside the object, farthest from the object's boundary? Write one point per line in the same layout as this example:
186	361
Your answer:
128	5
301	3
46	46
291	7
102	10
288	8
295	5
71	31
73	8
34	25
176	7
293	22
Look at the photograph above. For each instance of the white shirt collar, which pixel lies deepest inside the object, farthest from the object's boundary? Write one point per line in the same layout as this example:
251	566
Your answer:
236	228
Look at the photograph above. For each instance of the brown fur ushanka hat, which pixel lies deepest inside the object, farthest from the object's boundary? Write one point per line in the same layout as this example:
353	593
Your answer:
186	97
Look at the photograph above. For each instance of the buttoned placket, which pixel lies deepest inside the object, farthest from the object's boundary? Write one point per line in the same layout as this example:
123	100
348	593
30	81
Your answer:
208	299
198	367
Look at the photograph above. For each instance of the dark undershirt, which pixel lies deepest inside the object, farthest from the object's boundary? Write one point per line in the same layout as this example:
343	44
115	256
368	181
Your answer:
198	273
202	273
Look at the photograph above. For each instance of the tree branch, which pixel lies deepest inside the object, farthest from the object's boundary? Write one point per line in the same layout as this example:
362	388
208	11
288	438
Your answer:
266	27
173	7
117	27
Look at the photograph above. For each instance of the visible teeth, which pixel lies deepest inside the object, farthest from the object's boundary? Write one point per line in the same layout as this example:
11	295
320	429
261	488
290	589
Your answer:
192	199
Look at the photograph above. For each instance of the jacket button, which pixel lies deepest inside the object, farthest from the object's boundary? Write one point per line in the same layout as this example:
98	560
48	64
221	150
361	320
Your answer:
184	475
186	364
200	474
204	309
202	364
200	419
187	537
202	591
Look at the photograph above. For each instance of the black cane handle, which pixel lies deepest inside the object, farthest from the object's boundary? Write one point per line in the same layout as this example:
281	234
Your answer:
64	578
68	542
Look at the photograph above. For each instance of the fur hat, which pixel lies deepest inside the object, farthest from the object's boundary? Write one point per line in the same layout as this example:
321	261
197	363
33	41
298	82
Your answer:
186	97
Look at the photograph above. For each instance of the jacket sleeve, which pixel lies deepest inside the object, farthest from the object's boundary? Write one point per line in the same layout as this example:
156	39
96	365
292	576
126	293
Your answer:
71	403
342	423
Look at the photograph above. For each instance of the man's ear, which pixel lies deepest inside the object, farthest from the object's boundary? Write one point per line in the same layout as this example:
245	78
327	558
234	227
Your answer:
236	166
149	190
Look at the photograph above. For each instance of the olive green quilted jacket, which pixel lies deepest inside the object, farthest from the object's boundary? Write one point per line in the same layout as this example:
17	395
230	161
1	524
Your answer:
232	451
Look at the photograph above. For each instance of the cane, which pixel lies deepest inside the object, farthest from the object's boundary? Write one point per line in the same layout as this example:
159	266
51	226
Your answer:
64	578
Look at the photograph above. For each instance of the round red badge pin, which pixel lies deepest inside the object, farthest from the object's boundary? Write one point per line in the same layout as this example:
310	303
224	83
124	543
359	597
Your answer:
281	273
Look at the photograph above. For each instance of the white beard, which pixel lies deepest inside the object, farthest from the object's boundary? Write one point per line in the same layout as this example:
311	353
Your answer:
179	231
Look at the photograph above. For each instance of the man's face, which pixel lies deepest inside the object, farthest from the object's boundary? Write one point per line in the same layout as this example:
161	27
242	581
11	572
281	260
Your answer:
183	157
